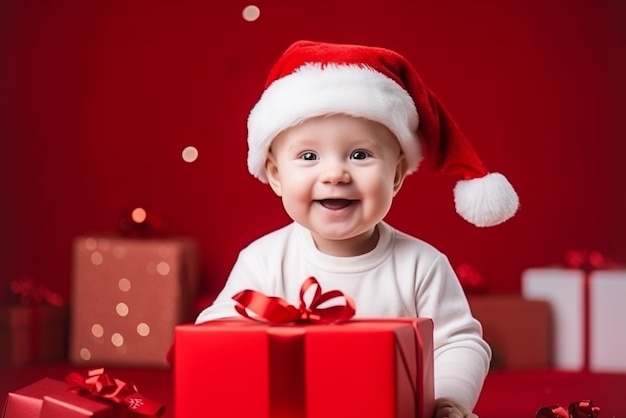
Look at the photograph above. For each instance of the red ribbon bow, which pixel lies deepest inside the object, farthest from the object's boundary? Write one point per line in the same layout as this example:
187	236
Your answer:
580	409
587	260
278	311
29	292
98	384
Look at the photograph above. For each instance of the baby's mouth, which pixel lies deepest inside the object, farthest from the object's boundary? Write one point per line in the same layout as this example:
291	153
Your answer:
335	204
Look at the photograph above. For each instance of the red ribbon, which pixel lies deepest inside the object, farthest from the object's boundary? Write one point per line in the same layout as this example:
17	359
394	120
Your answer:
287	379
587	261
580	409
278	311
98	384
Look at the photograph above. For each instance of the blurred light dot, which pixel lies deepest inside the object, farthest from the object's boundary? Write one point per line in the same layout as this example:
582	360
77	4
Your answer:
91	244
121	309
138	215
117	339
251	13
96	258
190	154
85	354
124	284
163	268
97	330
143	329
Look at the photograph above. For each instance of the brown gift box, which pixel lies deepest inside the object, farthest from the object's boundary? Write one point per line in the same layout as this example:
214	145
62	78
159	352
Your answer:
49	398
127	297
517	329
33	334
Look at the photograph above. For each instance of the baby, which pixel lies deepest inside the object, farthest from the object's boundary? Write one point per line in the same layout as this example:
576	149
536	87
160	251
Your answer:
335	133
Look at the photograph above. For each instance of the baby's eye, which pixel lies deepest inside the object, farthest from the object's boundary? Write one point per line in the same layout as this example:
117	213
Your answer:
360	154
308	156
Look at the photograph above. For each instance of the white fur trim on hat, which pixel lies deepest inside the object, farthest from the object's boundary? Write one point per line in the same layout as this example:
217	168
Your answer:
486	201
315	90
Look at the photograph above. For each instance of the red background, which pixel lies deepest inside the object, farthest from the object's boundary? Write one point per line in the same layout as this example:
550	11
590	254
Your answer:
98	99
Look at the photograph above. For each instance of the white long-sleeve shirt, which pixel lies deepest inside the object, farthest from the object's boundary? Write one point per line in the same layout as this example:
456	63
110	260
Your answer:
401	277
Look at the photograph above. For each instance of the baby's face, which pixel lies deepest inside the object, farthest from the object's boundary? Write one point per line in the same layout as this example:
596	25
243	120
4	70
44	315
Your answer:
337	176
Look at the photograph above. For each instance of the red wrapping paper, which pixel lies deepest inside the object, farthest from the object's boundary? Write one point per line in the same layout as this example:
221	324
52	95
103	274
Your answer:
68	405
236	368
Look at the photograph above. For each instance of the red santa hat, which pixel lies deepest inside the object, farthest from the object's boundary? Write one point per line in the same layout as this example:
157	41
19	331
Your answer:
313	79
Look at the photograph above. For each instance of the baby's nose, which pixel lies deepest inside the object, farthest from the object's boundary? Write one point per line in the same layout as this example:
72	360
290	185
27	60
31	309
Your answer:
336	173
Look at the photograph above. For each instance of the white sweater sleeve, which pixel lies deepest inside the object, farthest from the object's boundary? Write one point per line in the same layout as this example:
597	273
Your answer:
461	354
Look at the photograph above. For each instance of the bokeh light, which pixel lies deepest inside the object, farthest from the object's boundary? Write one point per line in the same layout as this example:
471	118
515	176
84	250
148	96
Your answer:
85	354
251	13
190	154
124	284
117	339
163	268
121	309
97	330
139	215
143	329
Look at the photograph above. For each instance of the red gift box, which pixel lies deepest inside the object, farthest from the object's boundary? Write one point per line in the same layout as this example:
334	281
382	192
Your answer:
49	398
231	368
33	334
93	394
517	329
128	294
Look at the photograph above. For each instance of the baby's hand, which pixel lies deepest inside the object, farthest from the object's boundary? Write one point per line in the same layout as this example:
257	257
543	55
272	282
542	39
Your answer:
449	408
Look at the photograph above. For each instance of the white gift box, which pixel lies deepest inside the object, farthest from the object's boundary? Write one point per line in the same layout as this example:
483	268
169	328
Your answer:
564	289
607	317
588	314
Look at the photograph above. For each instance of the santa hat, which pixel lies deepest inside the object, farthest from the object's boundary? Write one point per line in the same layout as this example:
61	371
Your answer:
313	79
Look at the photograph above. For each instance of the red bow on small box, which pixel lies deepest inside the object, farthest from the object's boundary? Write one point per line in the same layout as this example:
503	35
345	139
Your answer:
98	384
580	409
587	260
29	292
278	311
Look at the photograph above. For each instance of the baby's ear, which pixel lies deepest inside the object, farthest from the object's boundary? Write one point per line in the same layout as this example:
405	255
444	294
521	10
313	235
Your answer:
273	176
401	173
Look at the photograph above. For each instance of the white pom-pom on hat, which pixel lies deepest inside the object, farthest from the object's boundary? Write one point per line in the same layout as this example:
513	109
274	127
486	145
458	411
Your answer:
314	78
485	201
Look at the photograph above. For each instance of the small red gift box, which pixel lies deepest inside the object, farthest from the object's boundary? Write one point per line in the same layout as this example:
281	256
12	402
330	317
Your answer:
361	368
33	334
49	398
94	394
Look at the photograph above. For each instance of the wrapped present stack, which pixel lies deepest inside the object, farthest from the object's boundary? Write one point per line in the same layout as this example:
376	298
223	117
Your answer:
304	361
33	325
585	294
